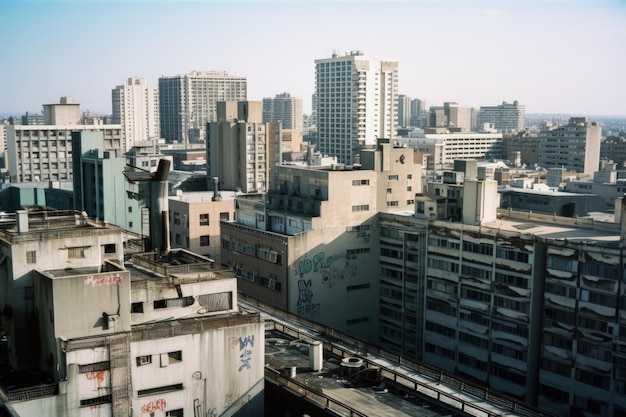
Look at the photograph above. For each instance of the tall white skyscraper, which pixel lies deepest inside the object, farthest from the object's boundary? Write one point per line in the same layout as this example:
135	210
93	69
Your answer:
188	102
357	103
283	108
136	108
404	110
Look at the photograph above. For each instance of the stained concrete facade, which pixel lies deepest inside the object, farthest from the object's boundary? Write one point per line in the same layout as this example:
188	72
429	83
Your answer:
311	247
157	334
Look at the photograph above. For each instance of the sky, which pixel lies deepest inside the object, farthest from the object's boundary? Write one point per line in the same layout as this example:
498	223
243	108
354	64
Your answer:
553	56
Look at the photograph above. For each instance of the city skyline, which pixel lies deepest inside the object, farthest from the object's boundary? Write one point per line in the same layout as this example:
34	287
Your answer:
552	56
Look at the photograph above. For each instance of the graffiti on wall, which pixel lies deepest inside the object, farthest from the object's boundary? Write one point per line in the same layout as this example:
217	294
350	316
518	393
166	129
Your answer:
98	282
153	406
306	306
96	378
328	266
245	345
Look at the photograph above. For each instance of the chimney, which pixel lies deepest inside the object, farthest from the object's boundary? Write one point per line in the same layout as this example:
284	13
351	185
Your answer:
316	356
159	208
216	193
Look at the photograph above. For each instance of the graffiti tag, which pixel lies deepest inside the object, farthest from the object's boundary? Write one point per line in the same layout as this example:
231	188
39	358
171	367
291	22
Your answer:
97	282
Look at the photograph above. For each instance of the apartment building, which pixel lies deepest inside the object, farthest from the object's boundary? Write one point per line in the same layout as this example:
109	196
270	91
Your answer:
136	108
357	103
575	146
188	102
284	109
44	152
505	117
241	148
308	247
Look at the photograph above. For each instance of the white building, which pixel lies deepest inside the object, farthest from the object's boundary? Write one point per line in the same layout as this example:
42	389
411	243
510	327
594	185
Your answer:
136	109
449	147
188	102
357	102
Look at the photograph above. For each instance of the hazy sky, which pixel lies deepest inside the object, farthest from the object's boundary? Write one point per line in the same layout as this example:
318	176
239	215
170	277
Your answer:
554	56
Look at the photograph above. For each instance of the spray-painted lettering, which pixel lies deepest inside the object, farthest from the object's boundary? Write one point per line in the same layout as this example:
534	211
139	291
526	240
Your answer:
97	282
96	376
152	406
245	354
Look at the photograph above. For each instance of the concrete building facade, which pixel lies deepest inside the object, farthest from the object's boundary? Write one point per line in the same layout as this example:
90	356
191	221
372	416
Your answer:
506	117
309	247
357	103
241	149
285	109
136	108
157	334
188	102
574	146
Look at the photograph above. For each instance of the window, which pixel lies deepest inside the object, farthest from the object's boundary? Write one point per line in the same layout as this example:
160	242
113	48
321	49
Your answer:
225	216
204	240
144	360
393	178
31	257
174	413
94	367
362	207
176	218
137	307
105	399
216	302
158	390
76	252
109	248
130	209
173	302
360	182
204	219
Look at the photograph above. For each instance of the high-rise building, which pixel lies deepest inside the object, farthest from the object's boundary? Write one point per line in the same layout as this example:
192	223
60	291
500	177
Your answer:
241	149
575	146
357	103
188	102
419	113
285	109
404	111
136	109
505	117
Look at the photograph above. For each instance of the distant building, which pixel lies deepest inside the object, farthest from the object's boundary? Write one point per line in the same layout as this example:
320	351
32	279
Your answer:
404	110
136	109
505	117
285	109
614	148
357	103
188	102
575	146
521	148
451	116
448	147
241	149
44	152
419	113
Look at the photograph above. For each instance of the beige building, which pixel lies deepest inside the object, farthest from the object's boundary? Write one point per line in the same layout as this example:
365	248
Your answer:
195	221
309	247
241	149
